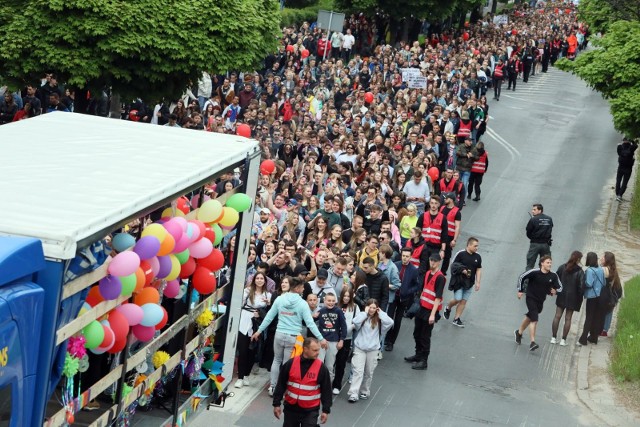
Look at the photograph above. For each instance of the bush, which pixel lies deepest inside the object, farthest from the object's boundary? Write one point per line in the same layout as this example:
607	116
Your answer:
626	344
634	214
295	17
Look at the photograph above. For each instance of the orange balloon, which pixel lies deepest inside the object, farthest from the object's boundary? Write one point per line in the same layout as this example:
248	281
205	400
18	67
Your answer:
141	279
147	295
167	245
94	297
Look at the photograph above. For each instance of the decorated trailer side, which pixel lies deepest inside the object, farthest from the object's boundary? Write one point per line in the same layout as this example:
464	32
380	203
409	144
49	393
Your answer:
68	182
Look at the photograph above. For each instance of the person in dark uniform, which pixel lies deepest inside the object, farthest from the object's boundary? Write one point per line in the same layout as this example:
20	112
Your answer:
305	383
626	159
541	282
527	62
428	314
539	230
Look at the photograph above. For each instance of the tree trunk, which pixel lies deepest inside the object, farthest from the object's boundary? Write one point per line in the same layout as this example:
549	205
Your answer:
494	6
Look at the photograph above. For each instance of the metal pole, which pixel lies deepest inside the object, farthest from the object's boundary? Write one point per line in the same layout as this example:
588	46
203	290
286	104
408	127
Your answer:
324	55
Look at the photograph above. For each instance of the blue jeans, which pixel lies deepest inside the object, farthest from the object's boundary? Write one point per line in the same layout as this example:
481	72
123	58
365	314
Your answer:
463	294
607	321
464	176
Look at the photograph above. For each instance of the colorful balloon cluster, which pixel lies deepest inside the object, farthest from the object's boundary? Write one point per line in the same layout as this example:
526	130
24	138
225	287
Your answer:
173	249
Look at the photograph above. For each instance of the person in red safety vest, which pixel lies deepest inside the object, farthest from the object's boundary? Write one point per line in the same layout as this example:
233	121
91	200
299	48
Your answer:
428	314
454	217
478	169
447	183
415	243
434	228
305	383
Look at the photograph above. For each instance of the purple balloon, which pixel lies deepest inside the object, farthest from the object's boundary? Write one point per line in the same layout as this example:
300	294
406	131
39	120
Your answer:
165	266
110	287
147	247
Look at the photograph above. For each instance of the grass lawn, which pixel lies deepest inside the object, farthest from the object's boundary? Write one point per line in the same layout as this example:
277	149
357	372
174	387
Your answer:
625	361
634	216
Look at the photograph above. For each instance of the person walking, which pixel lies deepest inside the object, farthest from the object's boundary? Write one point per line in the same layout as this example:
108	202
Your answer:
570	299
478	169
498	78
434	226
428	313
626	159
332	326
404	296
305	385
467	268
371	324
541	282
538	230
291	311
594	317
350	309
612	285
454	218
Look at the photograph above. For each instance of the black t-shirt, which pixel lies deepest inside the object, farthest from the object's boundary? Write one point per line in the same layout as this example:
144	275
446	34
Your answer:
277	274
539	283
472	261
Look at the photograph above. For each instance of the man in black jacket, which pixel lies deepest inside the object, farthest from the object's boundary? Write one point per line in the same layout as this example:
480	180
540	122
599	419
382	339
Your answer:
626	159
539	233
295	414
404	296
377	282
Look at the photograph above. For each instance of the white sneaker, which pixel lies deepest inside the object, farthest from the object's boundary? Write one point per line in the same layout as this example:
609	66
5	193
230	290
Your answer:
239	384
553	340
270	391
246	382
563	342
379	355
336	391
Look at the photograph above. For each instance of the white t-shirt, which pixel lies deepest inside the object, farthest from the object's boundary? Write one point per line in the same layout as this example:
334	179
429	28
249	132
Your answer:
348	41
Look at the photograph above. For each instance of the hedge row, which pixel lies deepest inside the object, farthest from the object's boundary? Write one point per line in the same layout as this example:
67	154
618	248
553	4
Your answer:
298	16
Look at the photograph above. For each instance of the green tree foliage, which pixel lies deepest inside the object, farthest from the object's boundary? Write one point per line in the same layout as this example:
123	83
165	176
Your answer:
600	13
144	48
613	69
398	9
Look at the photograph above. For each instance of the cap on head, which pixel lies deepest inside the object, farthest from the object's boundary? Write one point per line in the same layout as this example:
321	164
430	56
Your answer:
300	269
265	211
435	257
323	273
451	196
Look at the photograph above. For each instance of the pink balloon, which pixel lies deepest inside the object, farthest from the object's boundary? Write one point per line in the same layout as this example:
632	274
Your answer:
200	225
172	289
183	222
124	264
132	312
155	265
143	333
201	248
194	232
174	228
182	244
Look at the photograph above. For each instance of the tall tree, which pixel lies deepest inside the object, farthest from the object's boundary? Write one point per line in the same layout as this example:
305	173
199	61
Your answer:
146	48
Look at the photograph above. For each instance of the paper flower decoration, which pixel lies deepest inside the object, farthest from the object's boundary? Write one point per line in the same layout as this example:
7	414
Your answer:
76	348
70	366
159	358
205	318
139	380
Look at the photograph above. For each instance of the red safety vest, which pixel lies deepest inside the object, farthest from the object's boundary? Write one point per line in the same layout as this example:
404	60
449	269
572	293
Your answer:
304	392
465	129
415	255
498	73
432	230
428	296
451	220
447	188
480	165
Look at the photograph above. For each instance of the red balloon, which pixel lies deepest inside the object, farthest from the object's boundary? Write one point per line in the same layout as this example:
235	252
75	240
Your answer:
133	116
148	272
214	261
465	36
183	205
94	297
119	324
204	281
201	226
188	268
108	336
243	130
209	234
304	53
143	333
368	97
165	319
290	48
118	346
267	167
434	173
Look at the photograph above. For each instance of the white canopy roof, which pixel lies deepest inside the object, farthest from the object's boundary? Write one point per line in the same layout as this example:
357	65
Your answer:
65	177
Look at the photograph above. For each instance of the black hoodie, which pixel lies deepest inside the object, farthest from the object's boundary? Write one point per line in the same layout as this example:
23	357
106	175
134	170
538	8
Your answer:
378	285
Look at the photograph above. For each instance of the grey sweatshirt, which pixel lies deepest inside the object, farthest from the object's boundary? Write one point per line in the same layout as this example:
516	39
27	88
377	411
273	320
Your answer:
368	338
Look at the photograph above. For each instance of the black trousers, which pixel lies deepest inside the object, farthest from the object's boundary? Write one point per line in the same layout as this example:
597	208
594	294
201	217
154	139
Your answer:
422	336
512	81
535	250
396	312
447	258
300	418
341	363
475	180
622	178
246	356
593	321
497	87
525	73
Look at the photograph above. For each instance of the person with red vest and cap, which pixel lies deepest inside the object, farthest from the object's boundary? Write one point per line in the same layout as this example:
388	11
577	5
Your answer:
434	228
428	314
305	383
478	169
447	184
454	217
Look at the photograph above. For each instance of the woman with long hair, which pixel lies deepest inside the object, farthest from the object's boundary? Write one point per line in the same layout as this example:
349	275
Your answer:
318	234
350	310
594	317
266	348
255	301
356	243
371	324
335	240
569	299
613	281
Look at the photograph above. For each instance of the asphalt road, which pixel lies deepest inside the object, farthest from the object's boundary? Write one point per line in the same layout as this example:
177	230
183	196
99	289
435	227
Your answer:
550	142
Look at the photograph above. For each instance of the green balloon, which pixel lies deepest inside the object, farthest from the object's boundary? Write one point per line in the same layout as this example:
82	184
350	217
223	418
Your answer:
216	229
183	256
128	284
240	202
94	334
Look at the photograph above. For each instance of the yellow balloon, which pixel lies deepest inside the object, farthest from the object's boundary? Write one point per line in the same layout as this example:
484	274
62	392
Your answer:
155	230
193	214
230	217
169	212
175	268
209	211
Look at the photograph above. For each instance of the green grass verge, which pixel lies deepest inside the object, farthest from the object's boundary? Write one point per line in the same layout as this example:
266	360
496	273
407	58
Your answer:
291	16
634	214
625	361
